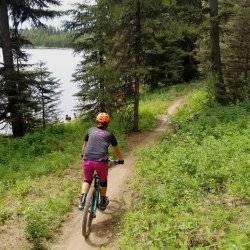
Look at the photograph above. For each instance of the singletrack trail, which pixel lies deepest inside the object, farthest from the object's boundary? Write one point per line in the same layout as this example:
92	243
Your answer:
104	227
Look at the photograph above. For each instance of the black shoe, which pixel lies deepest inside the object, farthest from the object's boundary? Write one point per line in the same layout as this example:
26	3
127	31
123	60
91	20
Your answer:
103	203
82	201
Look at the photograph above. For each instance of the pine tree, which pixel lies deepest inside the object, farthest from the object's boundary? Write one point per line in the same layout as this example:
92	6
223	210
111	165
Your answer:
150	47
129	51
216	62
93	27
12	91
189	16
128	43
8	87
47	94
237	54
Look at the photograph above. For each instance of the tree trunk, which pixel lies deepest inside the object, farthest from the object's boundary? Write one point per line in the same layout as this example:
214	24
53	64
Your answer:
43	108
216	64
138	63
102	107
247	65
11	90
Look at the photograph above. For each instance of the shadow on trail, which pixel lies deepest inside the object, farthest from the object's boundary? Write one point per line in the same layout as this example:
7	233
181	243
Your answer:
104	231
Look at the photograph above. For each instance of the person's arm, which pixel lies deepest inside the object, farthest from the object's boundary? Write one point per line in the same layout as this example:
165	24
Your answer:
116	149
117	152
84	144
83	147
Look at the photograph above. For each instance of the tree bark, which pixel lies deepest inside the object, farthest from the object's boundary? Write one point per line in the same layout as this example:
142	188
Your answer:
102	107
138	63
43	110
11	90
216	63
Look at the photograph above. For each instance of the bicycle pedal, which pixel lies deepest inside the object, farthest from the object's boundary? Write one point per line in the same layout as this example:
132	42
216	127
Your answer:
93	215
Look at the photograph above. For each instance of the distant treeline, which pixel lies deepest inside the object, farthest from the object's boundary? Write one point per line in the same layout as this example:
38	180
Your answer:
48	37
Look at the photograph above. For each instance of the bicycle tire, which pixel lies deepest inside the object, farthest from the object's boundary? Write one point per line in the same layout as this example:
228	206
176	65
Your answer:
89	214
87	218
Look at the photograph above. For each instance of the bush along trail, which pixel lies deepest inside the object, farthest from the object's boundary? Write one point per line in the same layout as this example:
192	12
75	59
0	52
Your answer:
40	174
193	186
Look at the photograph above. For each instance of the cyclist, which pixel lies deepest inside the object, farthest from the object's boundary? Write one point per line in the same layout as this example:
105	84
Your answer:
95	158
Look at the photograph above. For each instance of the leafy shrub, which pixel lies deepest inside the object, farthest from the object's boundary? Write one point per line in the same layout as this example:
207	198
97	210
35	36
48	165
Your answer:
4	214
22	187
43	218
40	153
125	116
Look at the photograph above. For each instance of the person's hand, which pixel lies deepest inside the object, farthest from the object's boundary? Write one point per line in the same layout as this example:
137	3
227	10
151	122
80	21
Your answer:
120	161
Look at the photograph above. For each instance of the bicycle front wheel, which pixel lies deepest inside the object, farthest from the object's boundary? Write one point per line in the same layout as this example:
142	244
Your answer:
89	213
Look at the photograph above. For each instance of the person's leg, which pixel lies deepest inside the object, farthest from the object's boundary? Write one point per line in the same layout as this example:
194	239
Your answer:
85	187
102	171
88	176
103	191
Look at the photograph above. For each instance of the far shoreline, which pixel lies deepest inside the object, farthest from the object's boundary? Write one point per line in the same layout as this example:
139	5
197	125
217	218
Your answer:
41	47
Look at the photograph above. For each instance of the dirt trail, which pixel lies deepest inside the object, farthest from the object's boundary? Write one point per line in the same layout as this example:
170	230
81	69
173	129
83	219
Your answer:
104	226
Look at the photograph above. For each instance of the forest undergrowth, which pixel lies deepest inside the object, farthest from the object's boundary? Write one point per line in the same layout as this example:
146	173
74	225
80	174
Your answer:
193	185
40	174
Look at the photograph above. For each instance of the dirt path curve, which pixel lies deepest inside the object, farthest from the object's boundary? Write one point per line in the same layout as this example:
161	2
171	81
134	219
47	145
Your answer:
104	226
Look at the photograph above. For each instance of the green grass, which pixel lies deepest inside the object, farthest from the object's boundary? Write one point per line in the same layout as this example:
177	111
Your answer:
193	186
40	173
156	103
43	218
38	154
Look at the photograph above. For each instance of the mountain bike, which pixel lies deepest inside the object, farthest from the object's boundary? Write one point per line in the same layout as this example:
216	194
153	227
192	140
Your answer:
92	201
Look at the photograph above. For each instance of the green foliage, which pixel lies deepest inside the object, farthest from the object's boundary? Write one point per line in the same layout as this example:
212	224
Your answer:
40	173
47	94
42	218
196	102
33	177
17	105
237	54
131	43
156	102
92	27
166	41
233	20
193	185
48	37
22	187
124	116
40	153
23	99
4	214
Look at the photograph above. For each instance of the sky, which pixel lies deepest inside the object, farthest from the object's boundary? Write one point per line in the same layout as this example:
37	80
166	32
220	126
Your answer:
65	5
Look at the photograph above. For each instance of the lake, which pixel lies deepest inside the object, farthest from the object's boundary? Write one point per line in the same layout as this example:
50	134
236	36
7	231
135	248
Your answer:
62	63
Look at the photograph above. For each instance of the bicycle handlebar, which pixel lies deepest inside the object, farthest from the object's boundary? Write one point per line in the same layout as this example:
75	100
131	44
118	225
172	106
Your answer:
116	162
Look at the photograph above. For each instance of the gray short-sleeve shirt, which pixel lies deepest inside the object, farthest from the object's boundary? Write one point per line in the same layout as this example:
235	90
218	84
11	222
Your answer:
97	144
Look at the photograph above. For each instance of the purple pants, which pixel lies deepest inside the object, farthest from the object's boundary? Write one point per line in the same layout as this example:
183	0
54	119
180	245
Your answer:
89	167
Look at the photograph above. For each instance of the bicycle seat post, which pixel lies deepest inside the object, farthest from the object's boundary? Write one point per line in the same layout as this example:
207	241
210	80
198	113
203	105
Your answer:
97	181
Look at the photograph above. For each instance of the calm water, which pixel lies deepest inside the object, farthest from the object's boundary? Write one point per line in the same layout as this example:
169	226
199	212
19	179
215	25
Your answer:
62	63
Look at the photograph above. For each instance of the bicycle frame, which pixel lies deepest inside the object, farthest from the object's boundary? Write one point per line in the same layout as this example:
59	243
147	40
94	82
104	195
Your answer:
96	195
